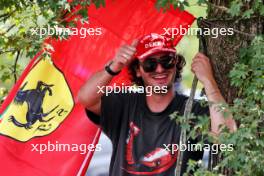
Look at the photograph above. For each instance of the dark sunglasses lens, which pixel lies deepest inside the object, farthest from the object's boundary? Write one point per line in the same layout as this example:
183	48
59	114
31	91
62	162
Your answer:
167	62
149	65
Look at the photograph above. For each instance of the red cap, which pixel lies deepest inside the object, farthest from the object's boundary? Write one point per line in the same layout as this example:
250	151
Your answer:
152	44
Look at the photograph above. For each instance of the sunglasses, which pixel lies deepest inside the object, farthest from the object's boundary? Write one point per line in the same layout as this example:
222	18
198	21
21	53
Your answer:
151	64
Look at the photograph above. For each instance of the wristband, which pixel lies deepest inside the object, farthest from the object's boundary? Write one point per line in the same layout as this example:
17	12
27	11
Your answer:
111	72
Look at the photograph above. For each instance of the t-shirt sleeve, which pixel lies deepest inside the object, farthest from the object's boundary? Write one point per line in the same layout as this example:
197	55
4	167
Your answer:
112	107
93	117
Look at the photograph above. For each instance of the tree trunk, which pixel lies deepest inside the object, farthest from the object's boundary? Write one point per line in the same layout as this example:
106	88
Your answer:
224	50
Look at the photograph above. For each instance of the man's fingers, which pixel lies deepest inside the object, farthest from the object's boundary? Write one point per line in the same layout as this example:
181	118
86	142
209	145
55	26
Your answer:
128	48
197	57
126	56
200	54
203	60
134	43
128	52
123	60
193	65
192	71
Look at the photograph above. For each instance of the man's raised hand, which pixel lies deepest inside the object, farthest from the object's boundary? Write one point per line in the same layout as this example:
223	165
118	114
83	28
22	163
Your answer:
124	56
202	68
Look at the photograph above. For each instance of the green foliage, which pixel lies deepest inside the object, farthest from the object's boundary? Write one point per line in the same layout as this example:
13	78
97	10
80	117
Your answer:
19	20
246	8
236	8
165	4
248	74
248	109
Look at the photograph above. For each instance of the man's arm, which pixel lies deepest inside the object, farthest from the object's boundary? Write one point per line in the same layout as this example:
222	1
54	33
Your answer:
202	68
90	94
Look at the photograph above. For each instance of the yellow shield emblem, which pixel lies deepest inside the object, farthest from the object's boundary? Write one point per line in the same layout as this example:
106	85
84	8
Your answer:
43	101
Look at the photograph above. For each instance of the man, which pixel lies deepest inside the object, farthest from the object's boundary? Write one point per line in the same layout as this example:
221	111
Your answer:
139	125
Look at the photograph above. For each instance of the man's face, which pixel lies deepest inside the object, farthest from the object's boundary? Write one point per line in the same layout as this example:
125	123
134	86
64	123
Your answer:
158	70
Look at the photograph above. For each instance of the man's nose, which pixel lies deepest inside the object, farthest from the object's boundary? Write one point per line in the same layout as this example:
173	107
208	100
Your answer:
159	69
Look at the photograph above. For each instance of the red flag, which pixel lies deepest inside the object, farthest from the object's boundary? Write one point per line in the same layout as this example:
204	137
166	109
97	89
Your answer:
40	111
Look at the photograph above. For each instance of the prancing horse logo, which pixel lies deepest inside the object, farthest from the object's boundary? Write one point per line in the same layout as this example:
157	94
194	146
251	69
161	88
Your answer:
34	99
40	106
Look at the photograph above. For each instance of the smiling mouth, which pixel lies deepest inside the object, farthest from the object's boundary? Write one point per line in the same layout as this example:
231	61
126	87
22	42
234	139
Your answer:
160	76
160	79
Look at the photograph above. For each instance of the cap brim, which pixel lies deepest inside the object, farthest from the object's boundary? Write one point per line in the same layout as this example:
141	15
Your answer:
156	51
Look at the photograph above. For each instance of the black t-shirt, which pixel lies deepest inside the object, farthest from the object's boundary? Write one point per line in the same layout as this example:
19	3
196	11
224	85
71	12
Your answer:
139	136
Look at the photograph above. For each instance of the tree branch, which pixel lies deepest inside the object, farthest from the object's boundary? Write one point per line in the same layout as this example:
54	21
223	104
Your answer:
6	51
15	66
223	8
4	16
3	33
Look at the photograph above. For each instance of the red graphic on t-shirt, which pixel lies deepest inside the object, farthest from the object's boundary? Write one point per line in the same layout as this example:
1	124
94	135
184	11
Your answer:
154	162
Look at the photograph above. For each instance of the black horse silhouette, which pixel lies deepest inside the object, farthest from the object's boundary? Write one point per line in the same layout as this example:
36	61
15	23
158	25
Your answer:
34	99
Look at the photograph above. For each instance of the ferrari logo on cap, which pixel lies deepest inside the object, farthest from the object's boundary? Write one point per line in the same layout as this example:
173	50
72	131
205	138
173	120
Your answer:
40	105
